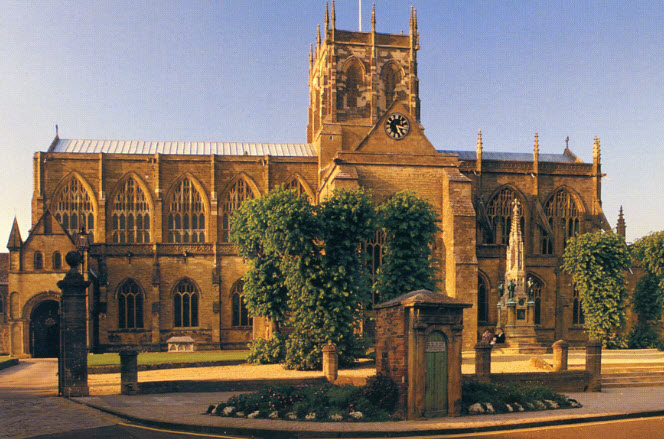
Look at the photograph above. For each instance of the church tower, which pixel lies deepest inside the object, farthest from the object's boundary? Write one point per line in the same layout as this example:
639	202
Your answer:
354	77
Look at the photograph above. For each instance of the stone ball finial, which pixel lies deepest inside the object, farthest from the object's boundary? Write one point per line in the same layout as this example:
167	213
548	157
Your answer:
73	259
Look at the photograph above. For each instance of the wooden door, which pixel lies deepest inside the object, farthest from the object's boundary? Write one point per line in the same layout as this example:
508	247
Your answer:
435	356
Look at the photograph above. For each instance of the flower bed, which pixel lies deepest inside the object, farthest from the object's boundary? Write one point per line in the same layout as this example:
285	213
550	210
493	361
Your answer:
486	398
374	401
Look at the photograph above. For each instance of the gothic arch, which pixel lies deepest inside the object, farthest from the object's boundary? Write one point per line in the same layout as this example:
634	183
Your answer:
538	287
580	204
125	280
307	189
110	208
173	230
499	213
348	62
564	210
186	300
229	201
62	184
391	76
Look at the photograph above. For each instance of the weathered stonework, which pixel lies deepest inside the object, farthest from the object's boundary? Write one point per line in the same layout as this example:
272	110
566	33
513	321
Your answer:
356	80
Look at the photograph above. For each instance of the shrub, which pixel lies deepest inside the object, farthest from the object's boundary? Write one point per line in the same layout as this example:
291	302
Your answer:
642	337
500	395
270	351
382	392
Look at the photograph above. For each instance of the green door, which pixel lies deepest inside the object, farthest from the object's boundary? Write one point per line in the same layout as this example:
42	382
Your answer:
435	356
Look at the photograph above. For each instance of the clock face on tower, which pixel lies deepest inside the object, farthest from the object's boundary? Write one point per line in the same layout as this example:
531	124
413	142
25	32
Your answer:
397	126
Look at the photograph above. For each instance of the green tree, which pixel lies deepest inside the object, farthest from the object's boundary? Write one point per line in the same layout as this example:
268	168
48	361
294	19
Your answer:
329	288
597	262
648	297
270	231
410	228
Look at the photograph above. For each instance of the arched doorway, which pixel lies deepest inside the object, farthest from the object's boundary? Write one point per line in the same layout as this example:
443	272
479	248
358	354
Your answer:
45	330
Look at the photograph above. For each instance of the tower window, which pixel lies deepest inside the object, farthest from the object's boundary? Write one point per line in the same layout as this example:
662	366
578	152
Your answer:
391	77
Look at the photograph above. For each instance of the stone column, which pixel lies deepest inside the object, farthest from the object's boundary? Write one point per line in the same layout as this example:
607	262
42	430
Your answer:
531	313
594	365
73	359
483	361
128	372
330	362
511	313
560	349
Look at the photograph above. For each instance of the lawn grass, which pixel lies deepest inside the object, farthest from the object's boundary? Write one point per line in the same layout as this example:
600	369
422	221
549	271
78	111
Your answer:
113	359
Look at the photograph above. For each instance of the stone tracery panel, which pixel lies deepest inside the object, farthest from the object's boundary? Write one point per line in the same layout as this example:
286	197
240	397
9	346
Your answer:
186	213
130	218
73	207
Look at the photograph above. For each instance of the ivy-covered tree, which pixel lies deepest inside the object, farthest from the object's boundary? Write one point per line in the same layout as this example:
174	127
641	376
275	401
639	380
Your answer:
329	289
648	297
597	262
271	231
409	223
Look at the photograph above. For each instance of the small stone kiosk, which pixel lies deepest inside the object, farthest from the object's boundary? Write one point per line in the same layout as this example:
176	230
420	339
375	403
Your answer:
418	345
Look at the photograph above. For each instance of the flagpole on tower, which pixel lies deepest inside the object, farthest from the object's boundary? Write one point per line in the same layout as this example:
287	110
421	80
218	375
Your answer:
359	15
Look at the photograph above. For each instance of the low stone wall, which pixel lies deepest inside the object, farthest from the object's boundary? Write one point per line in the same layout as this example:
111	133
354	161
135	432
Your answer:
144	367
566	381
191	386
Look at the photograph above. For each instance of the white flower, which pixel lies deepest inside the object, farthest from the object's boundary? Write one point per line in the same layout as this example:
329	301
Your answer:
552	404
240	414
489	407
476	409
519	407
228	410
509	408
253	415
310	416
336	417
355	415
292	416
274	415
540	405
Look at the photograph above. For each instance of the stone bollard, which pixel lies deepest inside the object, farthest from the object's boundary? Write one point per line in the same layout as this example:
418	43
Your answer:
483	361
560	350
128	372
330	363
594	365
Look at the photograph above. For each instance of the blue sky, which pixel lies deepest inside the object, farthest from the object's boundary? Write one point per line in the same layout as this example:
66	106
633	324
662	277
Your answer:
238	70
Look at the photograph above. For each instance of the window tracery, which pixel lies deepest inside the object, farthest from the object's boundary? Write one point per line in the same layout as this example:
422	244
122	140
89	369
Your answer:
374	249
130	305
234	197
499	211
73	207
391	77
186	214
185	304
130	221
536	285
578	318
240	314
563	216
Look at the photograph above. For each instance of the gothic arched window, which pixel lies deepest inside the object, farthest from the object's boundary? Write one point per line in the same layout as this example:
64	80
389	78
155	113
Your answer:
240	314
482	300
537	298
38	261
130	305
73	207
374	250
563	216
578	317
391	77
546	245
130	220
353	84
57	260
186	213
499	211
296	185
234	197
185	304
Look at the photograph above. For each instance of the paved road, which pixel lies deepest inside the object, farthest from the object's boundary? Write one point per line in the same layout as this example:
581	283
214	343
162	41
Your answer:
30	408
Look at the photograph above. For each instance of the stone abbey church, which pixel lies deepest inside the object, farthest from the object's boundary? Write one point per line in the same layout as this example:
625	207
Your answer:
156	213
